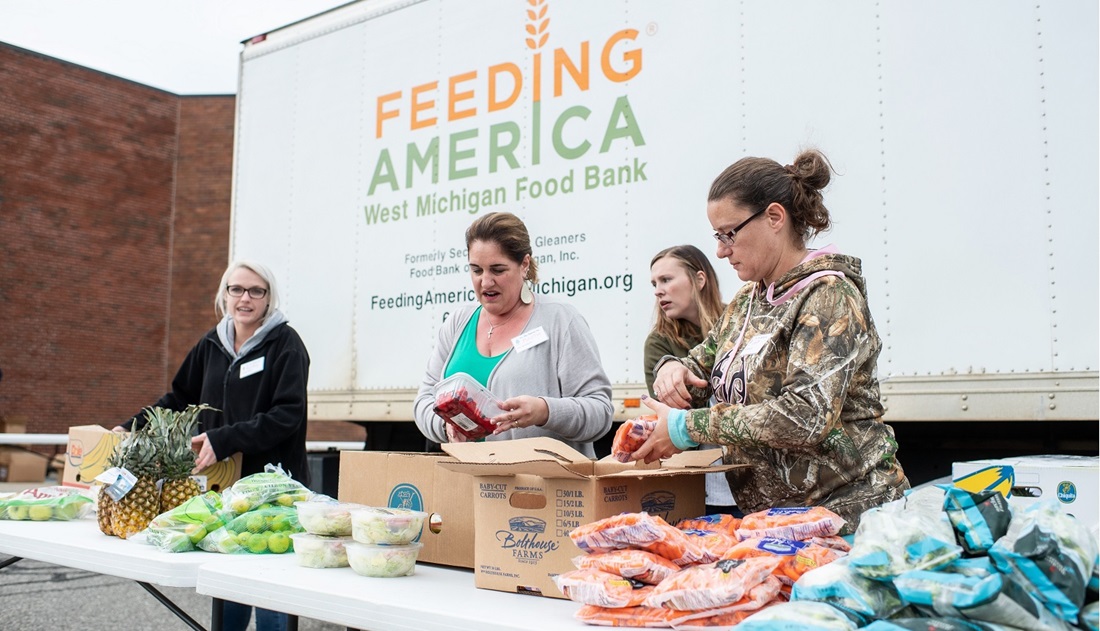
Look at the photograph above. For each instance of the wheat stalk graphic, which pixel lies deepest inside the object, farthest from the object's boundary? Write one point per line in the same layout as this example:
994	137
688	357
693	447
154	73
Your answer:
537	24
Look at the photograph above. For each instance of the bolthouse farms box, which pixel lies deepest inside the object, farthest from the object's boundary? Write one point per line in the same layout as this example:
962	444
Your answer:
529	494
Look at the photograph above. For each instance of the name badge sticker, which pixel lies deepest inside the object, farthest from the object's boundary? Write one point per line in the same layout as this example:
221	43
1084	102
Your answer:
529	339
756	343
250	368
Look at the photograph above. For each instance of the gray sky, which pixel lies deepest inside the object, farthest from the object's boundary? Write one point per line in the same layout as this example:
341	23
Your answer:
182	46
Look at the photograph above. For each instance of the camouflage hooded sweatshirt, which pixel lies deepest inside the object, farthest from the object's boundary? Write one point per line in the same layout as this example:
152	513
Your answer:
793	370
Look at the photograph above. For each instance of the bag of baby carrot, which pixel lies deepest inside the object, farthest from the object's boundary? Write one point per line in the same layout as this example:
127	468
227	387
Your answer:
603	589
796	557
635	617
715	523
713	585
638	530
631	435
790	522
639	565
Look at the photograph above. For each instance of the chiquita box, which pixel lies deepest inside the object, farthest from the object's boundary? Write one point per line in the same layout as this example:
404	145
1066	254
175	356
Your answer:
1073	480
529	494
90	446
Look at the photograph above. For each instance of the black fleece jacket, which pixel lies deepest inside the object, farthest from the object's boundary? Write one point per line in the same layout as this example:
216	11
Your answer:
262	414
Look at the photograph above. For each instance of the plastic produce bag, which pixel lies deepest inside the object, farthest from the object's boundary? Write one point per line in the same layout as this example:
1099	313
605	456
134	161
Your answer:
639	565
933	624
798	616
259	531
713	585
759	597
796	557
635	617
182	528
861	598
794	522
727	524
995	598
912	533
47	503
272	487
641	531
1052	554
979	519
631	435
603	589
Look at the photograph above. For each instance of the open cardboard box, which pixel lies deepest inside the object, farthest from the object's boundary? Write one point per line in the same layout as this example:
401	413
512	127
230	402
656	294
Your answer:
90	446
415	481
528	495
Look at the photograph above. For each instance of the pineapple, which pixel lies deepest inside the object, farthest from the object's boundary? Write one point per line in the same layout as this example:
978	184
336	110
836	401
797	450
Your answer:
174	430
141	504
104	504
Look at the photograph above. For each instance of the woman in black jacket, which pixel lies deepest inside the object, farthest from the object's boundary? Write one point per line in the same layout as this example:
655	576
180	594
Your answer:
252	368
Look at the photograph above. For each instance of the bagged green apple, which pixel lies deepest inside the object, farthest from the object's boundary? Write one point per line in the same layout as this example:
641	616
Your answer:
263	490
259	531
47	503
182	528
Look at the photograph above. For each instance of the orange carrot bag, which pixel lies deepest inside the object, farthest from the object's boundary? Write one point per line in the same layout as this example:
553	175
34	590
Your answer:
639	565
790	522
713	585
638	530
714	523
631	435
635	617
796	557
603	589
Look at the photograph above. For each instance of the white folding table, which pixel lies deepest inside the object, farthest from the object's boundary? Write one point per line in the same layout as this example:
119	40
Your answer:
79	544
432	599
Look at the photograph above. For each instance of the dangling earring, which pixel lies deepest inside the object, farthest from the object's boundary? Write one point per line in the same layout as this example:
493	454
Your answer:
526	296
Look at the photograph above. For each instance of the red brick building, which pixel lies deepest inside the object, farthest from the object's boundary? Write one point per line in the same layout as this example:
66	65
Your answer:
114	232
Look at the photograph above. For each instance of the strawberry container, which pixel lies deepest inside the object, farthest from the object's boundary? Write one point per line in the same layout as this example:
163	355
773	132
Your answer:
467	405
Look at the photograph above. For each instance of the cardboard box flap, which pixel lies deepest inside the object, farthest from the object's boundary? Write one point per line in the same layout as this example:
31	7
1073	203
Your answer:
516	451
693	458
541	468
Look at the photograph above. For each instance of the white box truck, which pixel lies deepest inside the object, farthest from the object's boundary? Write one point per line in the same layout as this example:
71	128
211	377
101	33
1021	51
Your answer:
964	135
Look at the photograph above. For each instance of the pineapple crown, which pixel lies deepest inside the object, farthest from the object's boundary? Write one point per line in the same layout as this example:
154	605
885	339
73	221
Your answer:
171	432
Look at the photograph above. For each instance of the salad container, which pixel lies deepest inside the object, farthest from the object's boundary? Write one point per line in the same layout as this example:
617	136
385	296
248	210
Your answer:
331	519
467	405
318	551
383	561
388	526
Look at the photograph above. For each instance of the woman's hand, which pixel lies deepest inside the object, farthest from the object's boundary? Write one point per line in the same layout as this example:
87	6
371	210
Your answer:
453	435
659	444
671	385
520	412
206	456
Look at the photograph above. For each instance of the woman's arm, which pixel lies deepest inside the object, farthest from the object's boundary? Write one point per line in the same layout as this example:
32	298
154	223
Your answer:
584	411
429	423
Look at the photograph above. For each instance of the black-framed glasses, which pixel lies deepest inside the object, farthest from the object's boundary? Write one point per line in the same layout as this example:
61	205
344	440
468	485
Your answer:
726	238
254	292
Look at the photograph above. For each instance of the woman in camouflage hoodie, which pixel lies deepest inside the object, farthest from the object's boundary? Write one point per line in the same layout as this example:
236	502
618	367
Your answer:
792	361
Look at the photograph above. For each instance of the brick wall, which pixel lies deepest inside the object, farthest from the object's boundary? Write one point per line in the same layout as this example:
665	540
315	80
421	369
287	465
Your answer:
86	170
114	232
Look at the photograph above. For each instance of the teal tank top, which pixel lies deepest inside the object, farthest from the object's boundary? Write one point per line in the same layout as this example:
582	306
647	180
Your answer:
466	358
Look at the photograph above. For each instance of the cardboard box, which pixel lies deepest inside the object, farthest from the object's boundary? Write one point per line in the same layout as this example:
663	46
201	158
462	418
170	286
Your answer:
415	481
13	425
19	465
530	493
1025	480
90	446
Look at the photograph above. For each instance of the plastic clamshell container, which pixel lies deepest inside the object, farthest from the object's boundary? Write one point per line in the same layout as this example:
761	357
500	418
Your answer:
388	526
383	561
331	519
318	551
467	405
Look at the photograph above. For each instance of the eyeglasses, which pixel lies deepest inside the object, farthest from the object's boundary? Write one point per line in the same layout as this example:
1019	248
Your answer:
726	238
254	292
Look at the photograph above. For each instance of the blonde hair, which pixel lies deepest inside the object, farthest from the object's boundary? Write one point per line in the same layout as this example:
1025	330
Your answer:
260	270
708	300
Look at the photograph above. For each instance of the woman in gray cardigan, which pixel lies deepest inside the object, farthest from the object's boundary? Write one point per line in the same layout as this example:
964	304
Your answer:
538	356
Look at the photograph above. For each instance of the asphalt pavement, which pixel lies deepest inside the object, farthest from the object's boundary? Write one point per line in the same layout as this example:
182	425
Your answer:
36	595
